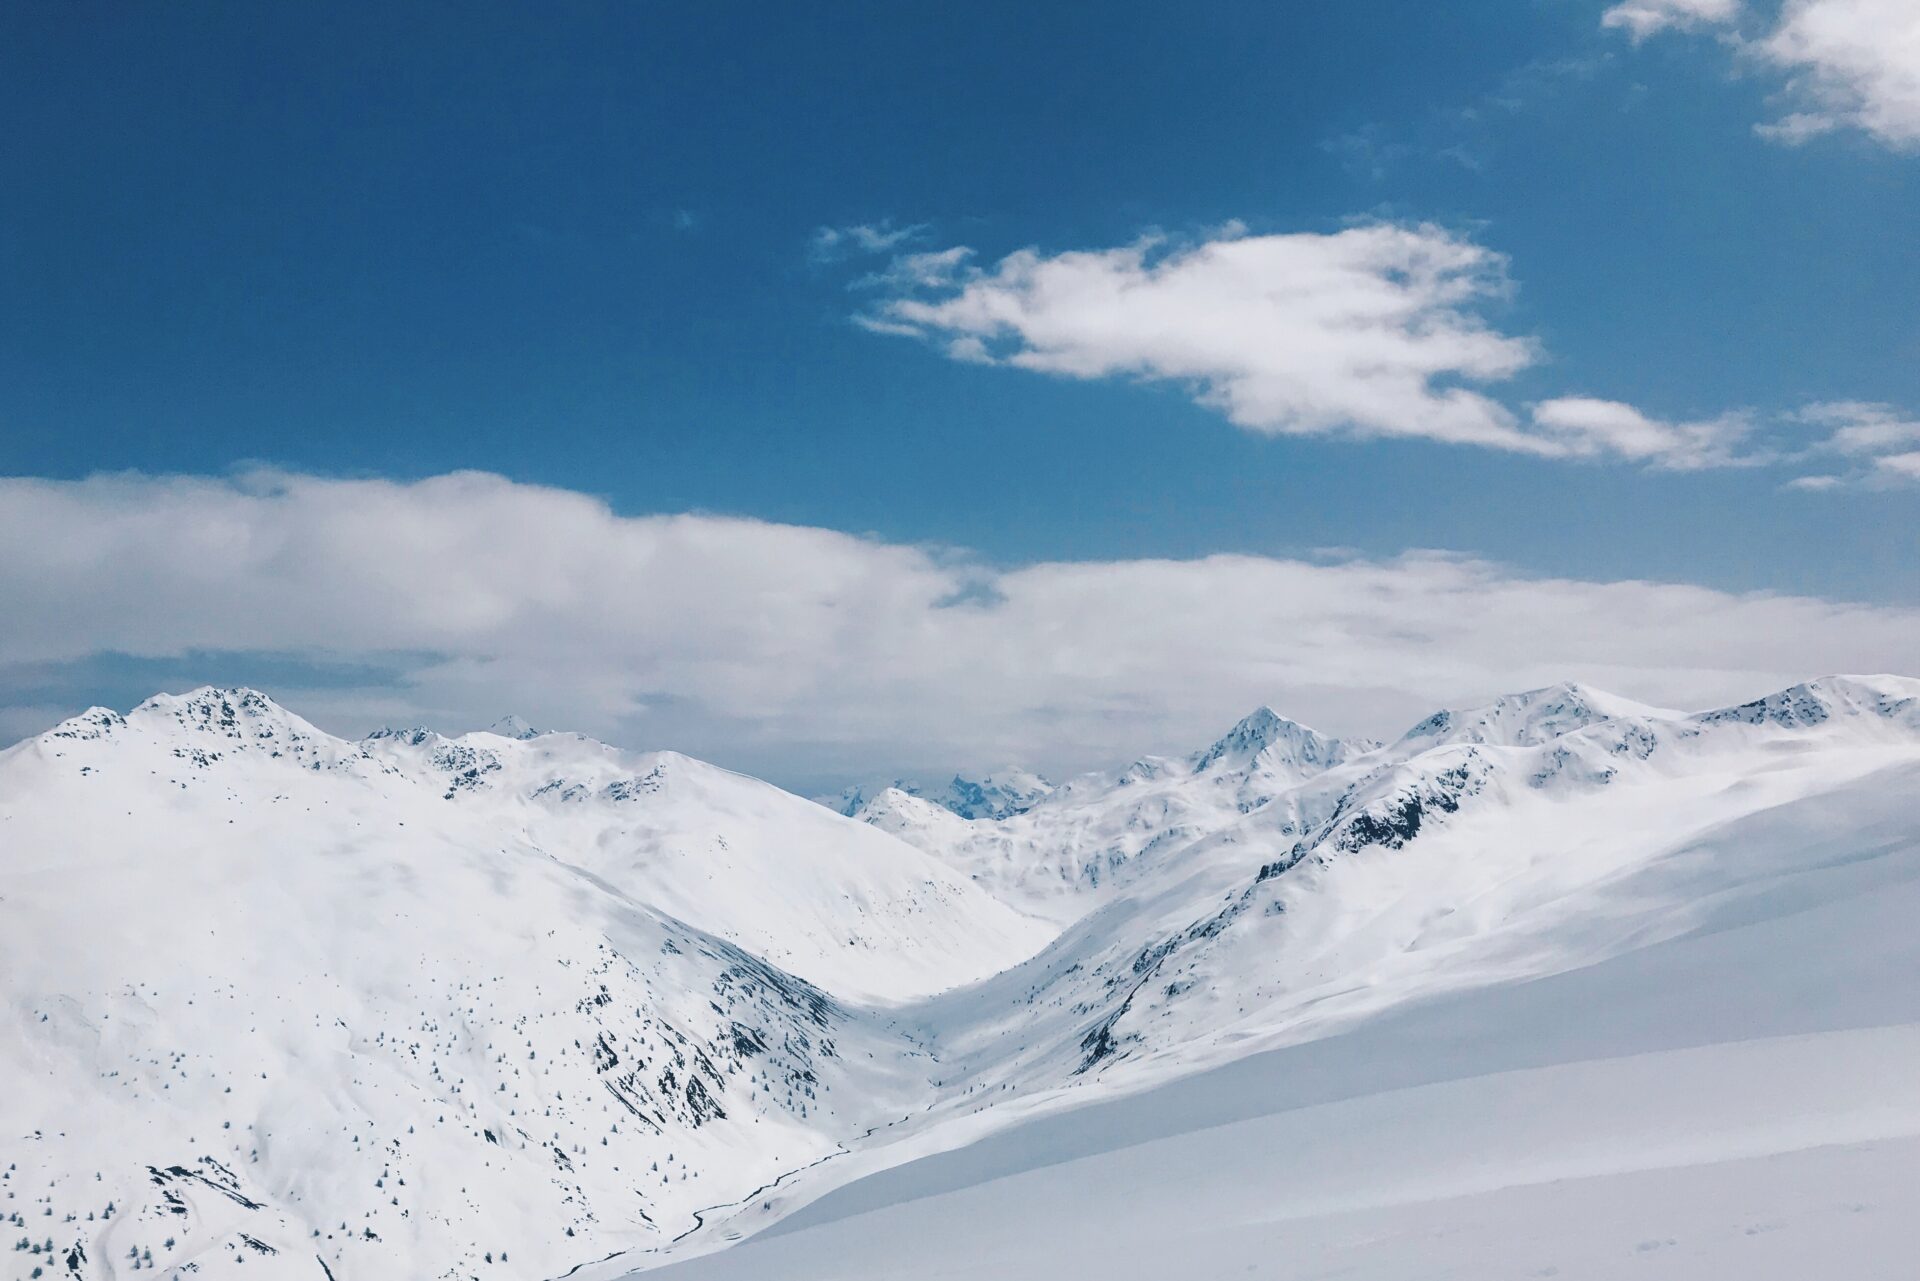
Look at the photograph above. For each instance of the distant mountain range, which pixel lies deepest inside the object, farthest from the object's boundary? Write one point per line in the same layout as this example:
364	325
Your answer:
1001	794
521	1004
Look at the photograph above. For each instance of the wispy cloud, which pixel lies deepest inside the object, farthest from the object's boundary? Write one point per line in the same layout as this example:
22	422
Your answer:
1869	443
807	652
1369	151
1466	134
1643	18
1588	427
1856	442
1815	484
932	269
832	244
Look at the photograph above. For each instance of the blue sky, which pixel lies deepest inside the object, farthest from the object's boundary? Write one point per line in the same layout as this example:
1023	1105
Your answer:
578	246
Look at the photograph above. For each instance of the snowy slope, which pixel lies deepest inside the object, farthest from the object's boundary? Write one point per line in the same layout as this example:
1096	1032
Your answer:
1739	1100
282	1003
839	903
1539	842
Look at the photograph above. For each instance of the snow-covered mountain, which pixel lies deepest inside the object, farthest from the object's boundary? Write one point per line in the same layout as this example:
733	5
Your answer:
390	1008
518	1004
838	903
1079	844
1543	835
1525	720
515	727
1739	1096
999	794
1443	860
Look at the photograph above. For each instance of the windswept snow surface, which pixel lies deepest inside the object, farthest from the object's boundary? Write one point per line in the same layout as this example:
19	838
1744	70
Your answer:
1560	985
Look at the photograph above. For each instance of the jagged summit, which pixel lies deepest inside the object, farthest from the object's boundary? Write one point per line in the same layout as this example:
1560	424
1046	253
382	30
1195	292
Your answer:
511	726
1096	835
856	797
241	716
1264	733
999	794
1528	718
413	735
237	713
1894	698
212	703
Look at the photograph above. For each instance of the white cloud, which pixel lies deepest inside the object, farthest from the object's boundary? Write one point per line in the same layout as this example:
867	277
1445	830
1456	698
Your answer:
809	653
1905	466
1862	427
1642	18
1594	428
1367	332
1877	443
1853	64
1849	63
1370	331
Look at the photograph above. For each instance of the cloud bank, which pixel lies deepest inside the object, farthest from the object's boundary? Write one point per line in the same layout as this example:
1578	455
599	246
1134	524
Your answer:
810	654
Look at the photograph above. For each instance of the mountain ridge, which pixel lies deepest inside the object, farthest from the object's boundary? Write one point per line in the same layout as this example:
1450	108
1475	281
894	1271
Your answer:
571	964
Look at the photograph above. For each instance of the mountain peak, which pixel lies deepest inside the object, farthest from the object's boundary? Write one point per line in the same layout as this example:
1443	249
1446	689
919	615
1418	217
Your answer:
1528	718
411	735
1262	721
242	715
226	709
1264	731
1000	794
1813	702
511	726
243	698
857	796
